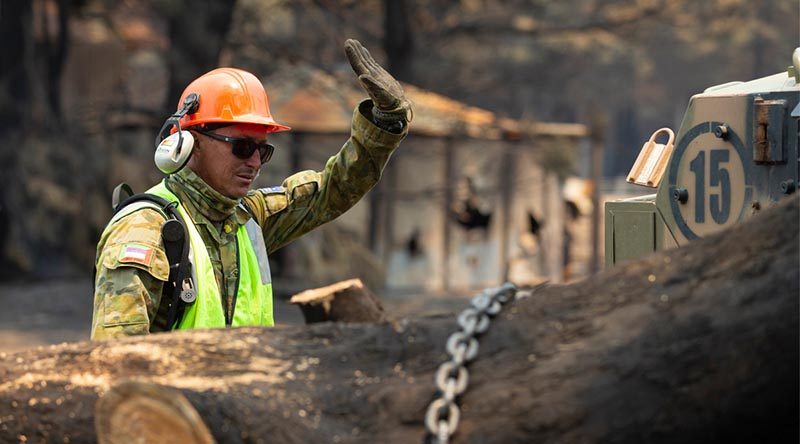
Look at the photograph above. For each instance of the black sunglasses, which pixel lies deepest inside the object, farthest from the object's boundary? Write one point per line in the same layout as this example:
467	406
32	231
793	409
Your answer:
243	147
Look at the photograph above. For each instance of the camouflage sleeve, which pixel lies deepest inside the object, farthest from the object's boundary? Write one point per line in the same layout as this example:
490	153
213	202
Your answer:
131	269
309	199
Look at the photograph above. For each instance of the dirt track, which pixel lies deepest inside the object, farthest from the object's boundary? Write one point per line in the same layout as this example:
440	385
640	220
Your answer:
61	311
44	313
40	314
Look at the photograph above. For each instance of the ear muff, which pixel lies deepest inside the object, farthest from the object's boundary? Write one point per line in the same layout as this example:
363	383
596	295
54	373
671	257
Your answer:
173	151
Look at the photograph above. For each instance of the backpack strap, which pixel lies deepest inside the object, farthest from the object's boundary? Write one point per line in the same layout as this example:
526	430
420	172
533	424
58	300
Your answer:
116	195
178	291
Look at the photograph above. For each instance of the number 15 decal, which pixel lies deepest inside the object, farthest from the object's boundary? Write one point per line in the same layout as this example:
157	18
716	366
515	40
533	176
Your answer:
714	177
719	203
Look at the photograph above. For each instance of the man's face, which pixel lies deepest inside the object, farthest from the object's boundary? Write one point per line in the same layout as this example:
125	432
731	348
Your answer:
213	160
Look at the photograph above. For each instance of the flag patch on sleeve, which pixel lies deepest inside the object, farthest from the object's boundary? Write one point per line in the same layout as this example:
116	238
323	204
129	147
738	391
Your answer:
136	253
271	190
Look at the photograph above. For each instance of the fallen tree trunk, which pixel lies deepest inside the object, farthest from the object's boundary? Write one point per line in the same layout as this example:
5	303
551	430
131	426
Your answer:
698	344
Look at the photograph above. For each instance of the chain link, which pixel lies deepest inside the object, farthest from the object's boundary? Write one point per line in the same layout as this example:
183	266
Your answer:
452	376
461	339
442	418
444	378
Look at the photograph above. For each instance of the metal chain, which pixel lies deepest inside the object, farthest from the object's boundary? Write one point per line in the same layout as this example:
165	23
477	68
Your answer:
452	377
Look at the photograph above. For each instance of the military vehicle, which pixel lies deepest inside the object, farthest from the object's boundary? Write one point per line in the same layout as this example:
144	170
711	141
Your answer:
736	153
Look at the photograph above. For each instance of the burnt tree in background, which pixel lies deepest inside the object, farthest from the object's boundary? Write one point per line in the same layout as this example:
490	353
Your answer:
15	32
397	40
35	37
197	33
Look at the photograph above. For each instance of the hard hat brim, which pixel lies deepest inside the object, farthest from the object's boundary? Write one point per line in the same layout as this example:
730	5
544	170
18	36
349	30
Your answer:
270	125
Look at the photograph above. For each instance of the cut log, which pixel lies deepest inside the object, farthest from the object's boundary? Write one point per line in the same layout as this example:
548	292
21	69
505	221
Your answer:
346	301
135	411
693	345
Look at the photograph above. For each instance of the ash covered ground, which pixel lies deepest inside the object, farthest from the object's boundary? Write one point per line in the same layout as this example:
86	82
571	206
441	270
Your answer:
45	313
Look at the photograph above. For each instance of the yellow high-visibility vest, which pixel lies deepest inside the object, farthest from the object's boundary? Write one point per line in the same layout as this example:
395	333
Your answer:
253	303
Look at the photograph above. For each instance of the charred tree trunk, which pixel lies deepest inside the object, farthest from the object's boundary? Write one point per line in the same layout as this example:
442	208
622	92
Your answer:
54	51
397	40
16	31
698	344
197	33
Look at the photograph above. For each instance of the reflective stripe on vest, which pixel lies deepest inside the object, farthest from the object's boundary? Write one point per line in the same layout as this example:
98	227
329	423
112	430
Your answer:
254	296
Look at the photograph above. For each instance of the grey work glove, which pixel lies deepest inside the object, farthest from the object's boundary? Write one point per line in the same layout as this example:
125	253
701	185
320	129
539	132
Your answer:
388	98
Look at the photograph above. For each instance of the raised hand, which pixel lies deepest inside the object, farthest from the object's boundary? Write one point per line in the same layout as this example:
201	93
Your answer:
385	91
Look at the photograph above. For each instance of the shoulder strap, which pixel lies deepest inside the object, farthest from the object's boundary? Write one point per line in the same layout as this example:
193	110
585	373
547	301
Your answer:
178	291
116	195
167	207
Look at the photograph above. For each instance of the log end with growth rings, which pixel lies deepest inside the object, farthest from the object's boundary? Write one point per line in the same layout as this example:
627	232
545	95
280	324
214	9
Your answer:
143	412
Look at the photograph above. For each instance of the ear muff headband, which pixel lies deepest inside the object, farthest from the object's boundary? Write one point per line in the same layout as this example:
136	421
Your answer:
189	106
173	151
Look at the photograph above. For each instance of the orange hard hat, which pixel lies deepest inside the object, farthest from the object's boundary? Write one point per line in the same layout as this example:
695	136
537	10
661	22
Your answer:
229	95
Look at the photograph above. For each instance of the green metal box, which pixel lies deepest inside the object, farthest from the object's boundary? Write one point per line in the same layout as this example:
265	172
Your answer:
633	228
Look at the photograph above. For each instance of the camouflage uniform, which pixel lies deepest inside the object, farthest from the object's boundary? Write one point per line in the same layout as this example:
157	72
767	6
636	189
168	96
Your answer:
127	293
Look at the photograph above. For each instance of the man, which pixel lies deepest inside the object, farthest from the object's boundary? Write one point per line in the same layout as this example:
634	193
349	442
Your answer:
231	228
